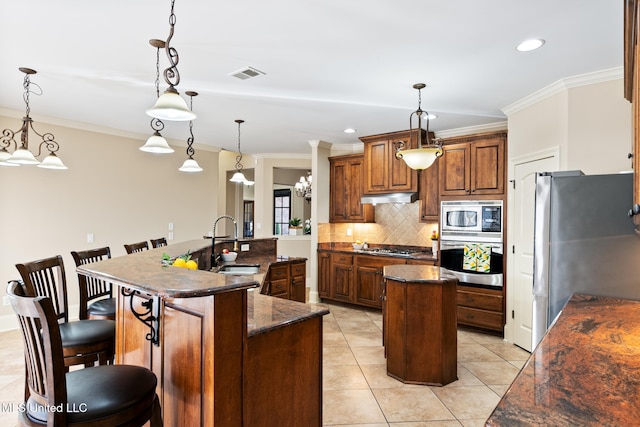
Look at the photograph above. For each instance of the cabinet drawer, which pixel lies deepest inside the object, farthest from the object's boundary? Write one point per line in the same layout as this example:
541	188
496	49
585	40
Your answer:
479	300
279	287
342	258
279	272
480	318
298	269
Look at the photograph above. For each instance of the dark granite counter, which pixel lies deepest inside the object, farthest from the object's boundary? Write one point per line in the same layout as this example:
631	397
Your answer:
144	271
265	313
413	252
584	372
418	274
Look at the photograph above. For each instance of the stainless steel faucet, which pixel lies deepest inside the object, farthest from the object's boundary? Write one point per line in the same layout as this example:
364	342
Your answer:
214	256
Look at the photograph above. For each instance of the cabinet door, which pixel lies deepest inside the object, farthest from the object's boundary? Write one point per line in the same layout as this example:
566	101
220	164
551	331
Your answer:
369	285
341	277
355	182
324	274
454	170
430	193
298	291
487	173
377	160
401	177
338	185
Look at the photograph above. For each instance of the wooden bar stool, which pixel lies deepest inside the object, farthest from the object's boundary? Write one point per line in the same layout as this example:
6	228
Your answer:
99	396
136	247
96	296
84	341
156	243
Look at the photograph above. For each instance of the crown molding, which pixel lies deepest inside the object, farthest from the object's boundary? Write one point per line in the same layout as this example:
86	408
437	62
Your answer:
563	85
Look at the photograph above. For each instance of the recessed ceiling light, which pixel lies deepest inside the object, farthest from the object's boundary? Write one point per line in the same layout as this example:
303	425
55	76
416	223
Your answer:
431	116
350	130
531	44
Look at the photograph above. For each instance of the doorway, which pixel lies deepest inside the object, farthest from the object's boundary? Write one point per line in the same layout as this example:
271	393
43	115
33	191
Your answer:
521	229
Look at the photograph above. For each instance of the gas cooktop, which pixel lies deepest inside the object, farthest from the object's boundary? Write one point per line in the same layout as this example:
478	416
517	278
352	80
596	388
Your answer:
389	252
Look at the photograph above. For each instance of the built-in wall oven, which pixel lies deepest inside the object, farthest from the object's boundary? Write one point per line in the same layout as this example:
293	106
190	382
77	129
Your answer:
469	228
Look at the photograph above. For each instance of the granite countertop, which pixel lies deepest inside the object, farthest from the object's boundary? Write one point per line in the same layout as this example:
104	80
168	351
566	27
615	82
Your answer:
265	313
585	371
418	274
414	252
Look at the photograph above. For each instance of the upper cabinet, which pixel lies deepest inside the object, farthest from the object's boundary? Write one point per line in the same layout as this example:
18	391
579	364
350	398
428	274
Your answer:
632	93
346	187
384	173
473	165
429	193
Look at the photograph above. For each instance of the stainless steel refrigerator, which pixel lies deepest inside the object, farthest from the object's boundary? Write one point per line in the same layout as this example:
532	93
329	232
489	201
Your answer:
584	242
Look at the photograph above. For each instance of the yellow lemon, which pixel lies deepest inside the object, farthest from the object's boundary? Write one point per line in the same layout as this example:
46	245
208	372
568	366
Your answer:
192	265
179	262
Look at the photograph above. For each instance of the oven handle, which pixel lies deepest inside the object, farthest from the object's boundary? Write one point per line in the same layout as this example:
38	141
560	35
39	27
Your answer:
444	244
489	279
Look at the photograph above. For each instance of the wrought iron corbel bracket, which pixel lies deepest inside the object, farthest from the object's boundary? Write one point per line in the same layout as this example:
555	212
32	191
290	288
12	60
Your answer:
150	316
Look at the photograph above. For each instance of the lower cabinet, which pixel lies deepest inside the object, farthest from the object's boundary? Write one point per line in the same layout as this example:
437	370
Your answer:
287	280
480	308
369	283
341	277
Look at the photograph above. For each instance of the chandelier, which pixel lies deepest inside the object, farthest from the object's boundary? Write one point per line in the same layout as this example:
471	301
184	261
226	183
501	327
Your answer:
21	155
190	165
171	106
422	157
238	176
303	187
156	143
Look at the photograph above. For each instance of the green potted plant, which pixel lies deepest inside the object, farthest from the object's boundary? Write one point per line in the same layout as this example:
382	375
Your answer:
295	226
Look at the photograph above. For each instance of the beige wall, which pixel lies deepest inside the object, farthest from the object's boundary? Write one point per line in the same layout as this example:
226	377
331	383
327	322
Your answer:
111	190
590	124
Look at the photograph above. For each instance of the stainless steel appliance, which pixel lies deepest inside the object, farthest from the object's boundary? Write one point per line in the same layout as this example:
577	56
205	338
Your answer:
471	220
583	242
451	259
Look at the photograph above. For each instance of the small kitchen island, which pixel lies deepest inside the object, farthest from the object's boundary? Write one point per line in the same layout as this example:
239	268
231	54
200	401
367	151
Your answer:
420	332
221	351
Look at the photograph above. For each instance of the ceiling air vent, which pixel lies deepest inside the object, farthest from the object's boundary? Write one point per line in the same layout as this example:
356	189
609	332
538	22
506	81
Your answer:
246	73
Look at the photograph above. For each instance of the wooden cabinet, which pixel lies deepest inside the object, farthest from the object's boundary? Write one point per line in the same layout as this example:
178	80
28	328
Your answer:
473	165
324	274
429	193
346	188
384	173
481	308
632	93
341	277
369	283
287	280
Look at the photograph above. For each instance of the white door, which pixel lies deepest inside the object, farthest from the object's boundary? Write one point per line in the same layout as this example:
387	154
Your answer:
521	226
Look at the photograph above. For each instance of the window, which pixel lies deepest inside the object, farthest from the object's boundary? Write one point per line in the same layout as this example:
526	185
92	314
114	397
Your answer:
281	211
247	221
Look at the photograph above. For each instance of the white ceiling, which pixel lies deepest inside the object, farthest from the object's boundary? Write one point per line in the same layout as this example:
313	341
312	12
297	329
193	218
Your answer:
329	64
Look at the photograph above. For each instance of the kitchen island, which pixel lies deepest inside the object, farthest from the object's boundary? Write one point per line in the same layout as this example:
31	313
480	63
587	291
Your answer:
584	372
218	348
419	322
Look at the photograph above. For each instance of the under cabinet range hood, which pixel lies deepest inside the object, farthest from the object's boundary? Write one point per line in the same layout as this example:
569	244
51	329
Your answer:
374	199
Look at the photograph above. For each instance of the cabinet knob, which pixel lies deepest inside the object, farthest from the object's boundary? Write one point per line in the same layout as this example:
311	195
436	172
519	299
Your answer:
635	210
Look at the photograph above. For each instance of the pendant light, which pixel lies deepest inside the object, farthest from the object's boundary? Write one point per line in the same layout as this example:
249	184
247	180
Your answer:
156	143
239	177
171	106
190	165
22	155
422	157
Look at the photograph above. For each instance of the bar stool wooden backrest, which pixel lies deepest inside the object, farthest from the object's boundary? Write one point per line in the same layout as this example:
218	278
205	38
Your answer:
96	296
136	247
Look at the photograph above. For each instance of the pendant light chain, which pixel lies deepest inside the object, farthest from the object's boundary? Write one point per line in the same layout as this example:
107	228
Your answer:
156	124
171	74
239	156
190	150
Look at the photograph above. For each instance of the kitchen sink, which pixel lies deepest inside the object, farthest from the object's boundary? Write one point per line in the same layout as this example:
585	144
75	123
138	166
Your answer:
239	269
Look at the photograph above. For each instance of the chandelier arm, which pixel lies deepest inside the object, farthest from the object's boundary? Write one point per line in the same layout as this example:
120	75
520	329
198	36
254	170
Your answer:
7	138
157	124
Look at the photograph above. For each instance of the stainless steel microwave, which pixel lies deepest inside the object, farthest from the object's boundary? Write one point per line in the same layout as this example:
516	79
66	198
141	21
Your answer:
471	220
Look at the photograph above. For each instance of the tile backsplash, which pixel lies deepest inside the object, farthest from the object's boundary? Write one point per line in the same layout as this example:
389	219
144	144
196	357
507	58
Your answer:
396	224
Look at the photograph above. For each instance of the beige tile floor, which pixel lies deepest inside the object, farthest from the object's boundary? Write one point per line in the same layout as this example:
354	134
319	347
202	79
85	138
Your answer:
357	390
